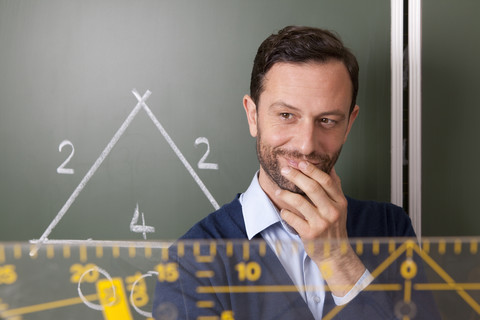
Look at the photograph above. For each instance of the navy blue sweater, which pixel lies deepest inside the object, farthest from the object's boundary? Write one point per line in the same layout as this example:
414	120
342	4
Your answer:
180	297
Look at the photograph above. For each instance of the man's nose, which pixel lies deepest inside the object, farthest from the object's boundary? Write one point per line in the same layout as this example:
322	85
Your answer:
306	138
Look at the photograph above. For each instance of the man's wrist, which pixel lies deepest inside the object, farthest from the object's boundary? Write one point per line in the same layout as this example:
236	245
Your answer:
361	284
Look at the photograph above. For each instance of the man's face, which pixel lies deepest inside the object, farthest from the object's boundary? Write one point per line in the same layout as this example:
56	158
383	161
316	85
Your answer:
302	114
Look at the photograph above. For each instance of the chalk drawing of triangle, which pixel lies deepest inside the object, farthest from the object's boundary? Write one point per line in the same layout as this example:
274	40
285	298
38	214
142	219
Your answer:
141	105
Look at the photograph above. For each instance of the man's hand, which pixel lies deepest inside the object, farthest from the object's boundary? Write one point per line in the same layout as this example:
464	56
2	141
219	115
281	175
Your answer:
320	219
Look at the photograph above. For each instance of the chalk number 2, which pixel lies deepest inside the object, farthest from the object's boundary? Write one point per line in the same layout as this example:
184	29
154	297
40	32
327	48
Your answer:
202	164
61	169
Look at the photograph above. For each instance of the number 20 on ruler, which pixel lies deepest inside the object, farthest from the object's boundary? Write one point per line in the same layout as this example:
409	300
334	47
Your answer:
201	163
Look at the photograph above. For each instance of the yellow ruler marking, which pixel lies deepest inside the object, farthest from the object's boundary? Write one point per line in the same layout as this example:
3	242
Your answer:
326	249
391	246
426	246
445	276
385	264
204	274
473	247
66	251
262	249
384	287
148	252
2	254
344	247
442	247
246	251
213	248
310	247
83	253
446	286
410	245
287	288
376	247
359	248
17	251
229	249
196	249
50	252
295	248
204	259
132	252
457	246
46	306
408	291
181	249
99	251
200	258
244	289
164	254
278	247
115	251
205	304
372	287
113	299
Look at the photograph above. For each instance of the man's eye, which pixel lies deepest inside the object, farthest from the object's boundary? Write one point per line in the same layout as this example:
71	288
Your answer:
286	115
328	122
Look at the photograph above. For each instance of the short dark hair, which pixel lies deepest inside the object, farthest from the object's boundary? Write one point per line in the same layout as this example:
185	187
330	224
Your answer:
301	45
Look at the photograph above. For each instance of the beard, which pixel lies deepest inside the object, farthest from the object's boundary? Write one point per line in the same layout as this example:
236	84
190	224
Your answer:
269	161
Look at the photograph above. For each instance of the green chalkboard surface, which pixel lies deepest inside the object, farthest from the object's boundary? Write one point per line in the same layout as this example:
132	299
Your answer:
76	142
450	84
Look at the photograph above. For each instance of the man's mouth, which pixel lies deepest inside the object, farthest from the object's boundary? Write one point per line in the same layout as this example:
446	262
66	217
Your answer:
294	162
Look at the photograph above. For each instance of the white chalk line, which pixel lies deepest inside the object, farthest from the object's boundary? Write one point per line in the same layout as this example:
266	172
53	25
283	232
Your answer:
178	152
160	244
92	170
141	104
93	305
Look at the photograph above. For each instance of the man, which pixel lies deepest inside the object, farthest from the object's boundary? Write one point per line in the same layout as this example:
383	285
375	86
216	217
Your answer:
301	107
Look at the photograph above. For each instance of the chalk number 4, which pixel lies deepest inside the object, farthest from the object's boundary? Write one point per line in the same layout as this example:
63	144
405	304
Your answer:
61	169
135	227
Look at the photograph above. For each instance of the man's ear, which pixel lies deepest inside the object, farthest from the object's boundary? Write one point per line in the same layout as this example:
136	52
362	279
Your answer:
251	111
351	120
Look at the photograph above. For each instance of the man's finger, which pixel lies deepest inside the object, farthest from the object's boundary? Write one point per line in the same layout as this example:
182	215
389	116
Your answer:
295	221
296	203
329	182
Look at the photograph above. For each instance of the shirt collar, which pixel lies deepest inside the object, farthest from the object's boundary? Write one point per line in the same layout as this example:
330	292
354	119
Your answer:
259	212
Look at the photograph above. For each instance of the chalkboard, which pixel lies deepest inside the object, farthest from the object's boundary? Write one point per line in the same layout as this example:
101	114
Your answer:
68	70
450	152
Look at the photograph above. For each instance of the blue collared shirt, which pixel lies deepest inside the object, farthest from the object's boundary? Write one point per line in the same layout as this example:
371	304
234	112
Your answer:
262	217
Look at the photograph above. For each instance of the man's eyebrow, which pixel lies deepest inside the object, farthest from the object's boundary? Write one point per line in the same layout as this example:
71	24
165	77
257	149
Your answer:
283	104
338	113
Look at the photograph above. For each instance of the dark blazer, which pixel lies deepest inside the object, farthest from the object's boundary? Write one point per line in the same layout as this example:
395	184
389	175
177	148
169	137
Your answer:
268	292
